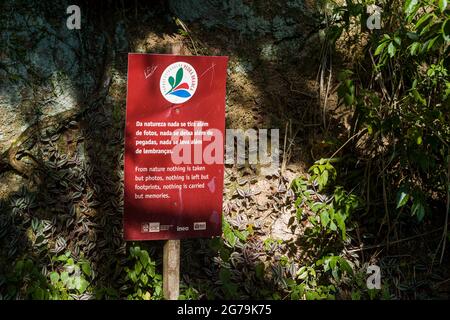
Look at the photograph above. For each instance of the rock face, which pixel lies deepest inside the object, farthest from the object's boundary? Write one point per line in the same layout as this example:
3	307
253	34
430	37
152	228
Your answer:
45	67
247	20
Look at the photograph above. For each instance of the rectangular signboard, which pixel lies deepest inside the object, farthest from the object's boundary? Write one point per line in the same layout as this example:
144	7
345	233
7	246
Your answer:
174	140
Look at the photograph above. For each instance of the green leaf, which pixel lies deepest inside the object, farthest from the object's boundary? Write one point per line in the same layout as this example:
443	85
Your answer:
442	5
132	276
62	257
77	282
412	35
340	219
419	140
418	97
54	277
172	82
421	23
380	48
228	234
432	42
414	48
418	210
240	235
179	77
64	277
137	268
446	30
391	49
86	269
345	266
324	178
324	218
82	285
348	99
410	5
402	198
333	226
144	258
144	278
146	296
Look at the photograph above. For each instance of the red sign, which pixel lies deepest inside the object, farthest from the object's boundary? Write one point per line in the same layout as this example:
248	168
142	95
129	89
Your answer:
174	144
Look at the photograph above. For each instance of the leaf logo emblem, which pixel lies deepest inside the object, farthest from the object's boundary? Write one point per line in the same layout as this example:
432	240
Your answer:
178	82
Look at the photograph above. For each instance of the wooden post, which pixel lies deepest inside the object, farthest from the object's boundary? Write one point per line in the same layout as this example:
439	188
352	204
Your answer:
171	253
171	270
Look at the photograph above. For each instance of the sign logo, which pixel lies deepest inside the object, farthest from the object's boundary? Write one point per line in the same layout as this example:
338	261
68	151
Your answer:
178	82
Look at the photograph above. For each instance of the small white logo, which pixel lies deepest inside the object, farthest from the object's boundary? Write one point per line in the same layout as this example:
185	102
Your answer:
199	225
178	82
151	227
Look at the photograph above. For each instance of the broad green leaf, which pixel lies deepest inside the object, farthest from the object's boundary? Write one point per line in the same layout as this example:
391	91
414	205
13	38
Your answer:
144	278
144	258
391	49
324	218
137	268
340	219
380	48
418	97
348	99
333	226
410	5
324	178
432	42
443	5
86	269
240	235
158	290
345	266
419	140
418	210
414	48
65	277
333	261
412	36
132	276
82	285
421	22
179	77
303	275
77	282
172	82
147	296
54	277
402	198
229	237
